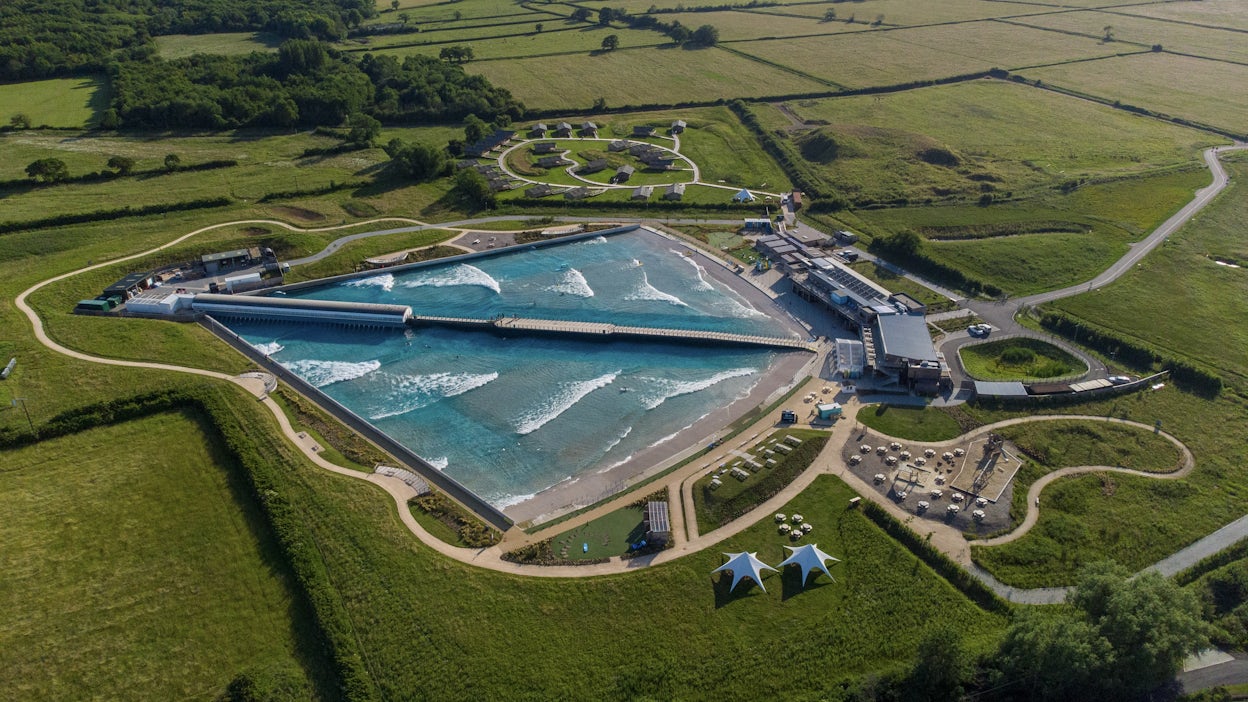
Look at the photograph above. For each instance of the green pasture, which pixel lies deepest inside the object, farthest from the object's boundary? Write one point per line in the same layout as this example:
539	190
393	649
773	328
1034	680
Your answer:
422	12
137	565
747	26
900	284
1218	13
1114	213
175	46
1205	314
350	257
1005	135
1180	86
585	39
1206	41
61	102
633	76
896	12
862	59
910	423
470	618
1021	358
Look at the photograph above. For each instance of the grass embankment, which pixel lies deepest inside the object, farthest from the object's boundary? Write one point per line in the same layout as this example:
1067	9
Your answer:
421	246
138	565
339	444
716	507
440	516
722	239
1018	359
910	423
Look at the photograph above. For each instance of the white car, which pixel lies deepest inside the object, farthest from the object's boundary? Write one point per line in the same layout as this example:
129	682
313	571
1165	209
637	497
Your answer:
979	329
1119	379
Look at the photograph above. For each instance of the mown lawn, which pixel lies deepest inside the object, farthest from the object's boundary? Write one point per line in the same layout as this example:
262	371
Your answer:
1018	359
136	566
174	46
911	423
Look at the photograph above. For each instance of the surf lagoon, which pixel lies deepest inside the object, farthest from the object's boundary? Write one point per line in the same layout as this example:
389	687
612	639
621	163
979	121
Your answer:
512	418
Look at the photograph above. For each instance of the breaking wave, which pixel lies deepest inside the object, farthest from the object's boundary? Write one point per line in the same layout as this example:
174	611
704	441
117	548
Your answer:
269	348
384	281
572	282
441	462
462	274
702	283
569	394
675	388
646	291
411	392
322	373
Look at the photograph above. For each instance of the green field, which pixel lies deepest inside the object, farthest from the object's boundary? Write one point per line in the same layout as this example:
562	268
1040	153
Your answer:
1219	13
1021	358
468	619
134	569
861	59
1007	136
174	46
1112	214
607	536
63	102
1180	86
581	41
1206	311
911	423
638	76
1187	39
897	12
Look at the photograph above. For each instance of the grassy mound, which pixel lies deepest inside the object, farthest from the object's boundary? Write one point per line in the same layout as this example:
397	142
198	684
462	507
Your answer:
1018	359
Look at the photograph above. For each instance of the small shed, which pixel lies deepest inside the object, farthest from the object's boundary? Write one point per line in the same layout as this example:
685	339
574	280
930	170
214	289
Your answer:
830	410
618	145
593	166
539	190
643	193
545	147
538	130
563	129
658	525
577	193
129	286
214	262
589	129
622	174
675	191
644	130
678	126
93	306
551	162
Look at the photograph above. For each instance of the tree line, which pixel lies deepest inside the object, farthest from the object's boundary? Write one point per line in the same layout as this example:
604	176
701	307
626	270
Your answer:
42	38
305	83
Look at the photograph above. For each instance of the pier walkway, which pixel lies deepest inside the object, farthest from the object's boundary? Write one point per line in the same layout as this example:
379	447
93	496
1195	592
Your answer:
606	329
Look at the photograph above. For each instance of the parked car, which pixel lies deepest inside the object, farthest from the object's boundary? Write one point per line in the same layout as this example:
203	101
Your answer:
979	329
1119	379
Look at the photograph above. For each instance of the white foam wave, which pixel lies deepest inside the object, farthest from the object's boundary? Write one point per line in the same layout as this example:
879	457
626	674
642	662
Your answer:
646	291
740	309
675	388
514	500
623	435
572	282
596	240
411	392
702	283
678	432
441	462
269	348
569	394
462	274
322	373
384	281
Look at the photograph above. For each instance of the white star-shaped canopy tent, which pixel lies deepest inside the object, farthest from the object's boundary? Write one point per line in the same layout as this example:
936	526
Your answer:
808	558
744	565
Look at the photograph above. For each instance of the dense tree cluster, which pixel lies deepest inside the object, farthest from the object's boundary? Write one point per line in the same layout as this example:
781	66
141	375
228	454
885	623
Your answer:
43	38
305	83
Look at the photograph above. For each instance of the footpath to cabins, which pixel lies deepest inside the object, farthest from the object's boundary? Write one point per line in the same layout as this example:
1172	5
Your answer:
605	329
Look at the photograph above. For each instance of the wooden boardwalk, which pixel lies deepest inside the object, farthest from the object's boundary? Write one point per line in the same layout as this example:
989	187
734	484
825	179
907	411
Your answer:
606	330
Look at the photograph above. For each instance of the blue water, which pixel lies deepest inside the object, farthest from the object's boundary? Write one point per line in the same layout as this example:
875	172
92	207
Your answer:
509	417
